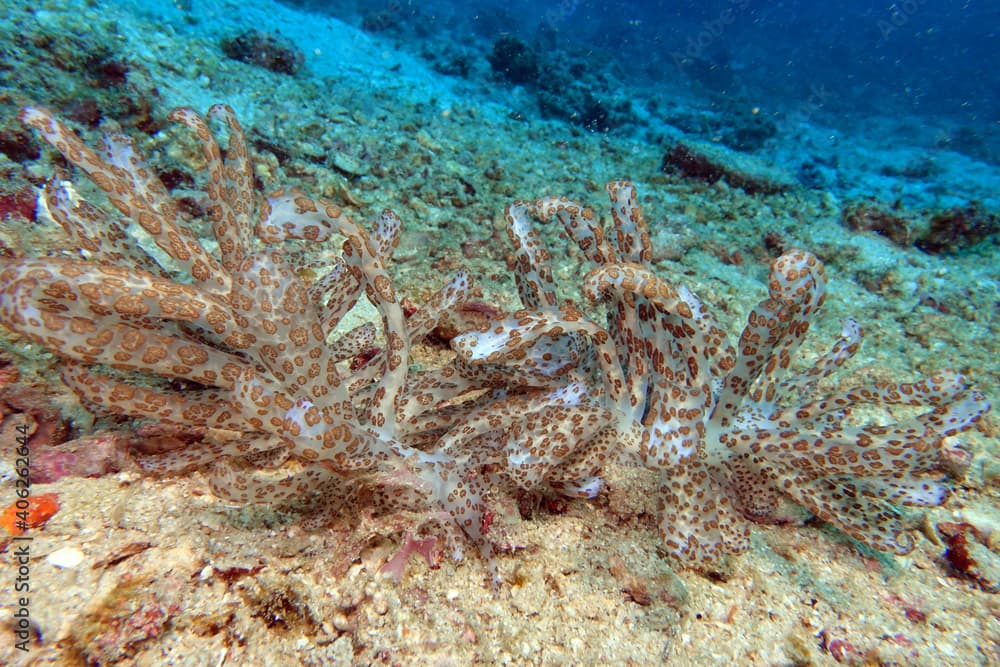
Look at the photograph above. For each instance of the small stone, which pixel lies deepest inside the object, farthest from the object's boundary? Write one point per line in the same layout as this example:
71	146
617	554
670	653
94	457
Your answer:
349	164
986	568
985	520
65	558
342	623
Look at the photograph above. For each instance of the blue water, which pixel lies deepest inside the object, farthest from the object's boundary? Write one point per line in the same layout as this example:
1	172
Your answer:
795	59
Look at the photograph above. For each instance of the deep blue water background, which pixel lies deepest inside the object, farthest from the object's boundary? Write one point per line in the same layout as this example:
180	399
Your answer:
916	58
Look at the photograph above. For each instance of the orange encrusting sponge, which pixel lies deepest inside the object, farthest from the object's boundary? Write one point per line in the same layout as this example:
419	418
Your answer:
40	509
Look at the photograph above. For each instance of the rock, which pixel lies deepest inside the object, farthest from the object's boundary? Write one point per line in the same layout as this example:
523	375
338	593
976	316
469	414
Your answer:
959	228
514	60
272	52
349	164
869	217
985	566
985	520
969	557
91	456
711	164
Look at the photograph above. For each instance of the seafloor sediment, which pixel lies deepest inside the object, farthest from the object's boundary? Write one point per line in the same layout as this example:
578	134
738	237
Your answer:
137	570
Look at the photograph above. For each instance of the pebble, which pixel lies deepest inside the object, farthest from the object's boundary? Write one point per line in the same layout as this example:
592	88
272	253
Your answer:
349	164
67	558
986	566
984	518
341	622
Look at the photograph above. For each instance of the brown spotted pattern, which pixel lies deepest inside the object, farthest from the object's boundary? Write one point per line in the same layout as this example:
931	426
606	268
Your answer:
728	427
541	399
263	346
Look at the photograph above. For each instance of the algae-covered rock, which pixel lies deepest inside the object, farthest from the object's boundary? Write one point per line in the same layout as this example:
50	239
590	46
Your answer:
711	164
